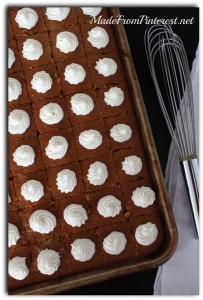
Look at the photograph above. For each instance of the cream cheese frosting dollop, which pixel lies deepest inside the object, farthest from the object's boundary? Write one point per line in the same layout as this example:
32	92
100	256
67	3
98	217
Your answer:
146	234
114	243
41	82
18	121
132	165
57	13
97	173
57	147
82	249
121	133
32	190
42	221
114	96
109	206
24	156
90	139
51	113
13	234
143	196
75	215
14	89
66	181
98	37
17	268
66	41
81	104
11	58
91	11
74	73
106	66
48	261
26	18
32	49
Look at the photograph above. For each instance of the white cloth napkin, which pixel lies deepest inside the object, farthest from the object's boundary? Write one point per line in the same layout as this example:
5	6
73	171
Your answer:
180	275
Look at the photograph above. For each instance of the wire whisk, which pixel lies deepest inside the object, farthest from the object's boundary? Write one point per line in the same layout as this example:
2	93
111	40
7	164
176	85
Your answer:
170	72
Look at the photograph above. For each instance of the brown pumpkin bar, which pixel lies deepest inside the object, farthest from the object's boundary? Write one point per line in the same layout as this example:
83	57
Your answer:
94	199
43	127
127	119
129	253
61	56
100	80
157	246
66	228
16	67
133	209
38	162
68	88
89	49
23	32
31	131
111	111
107	159
60	25
97	125
44	59
95	114
23	98
52	176
55	89
71	154
40	176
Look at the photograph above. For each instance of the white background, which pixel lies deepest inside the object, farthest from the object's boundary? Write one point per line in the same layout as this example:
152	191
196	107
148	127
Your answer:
3	115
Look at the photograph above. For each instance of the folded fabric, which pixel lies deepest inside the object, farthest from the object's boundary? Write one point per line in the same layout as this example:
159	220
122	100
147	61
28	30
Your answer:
180	275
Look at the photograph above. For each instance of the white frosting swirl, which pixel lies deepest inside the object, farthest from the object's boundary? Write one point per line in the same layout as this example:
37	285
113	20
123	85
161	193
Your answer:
90	139
91	11
41	82
24	156
75	215
32	190
66	41
82	249
146	234
32	49
57	13
106	66
11	58
97	173
13	234
121	133
114	96
48	261
132	165
18	121
143	196
114	243
51	113
17	268
14	89
66	181
9	199
98	37
81	104
57	147
42	221
26	18
109	206
74	73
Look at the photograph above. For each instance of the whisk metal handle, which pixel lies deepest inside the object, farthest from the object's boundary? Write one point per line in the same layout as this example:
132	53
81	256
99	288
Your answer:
190	171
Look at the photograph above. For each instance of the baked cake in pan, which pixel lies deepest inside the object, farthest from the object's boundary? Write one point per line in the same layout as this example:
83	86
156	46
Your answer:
81	195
